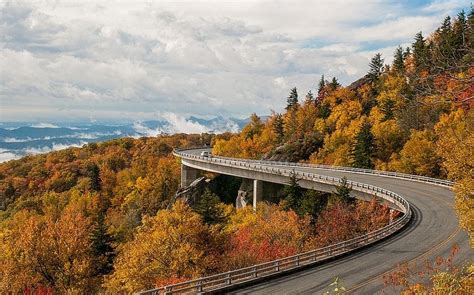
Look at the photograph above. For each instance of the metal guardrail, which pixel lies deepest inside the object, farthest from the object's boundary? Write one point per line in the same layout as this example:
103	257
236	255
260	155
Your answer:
247	274
412	177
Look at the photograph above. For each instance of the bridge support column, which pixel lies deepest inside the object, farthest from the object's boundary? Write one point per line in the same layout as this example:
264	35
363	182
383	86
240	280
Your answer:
188	175
257	192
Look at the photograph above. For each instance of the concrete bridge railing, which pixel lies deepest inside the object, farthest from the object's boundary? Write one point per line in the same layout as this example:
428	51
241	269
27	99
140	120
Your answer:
231	279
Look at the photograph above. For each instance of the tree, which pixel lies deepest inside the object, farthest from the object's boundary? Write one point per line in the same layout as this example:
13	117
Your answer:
387	108
173	244
293	193
93	172
418	155
334	84
335	224
309	97
210	209
376	65
420	53
254	127
363	148
264	235
279	127
321	89
312	204
52	250
399	61
455	143
343	191
102	246
292	101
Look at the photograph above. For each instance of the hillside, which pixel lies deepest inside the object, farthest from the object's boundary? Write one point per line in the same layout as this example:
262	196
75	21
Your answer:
414	116
99	218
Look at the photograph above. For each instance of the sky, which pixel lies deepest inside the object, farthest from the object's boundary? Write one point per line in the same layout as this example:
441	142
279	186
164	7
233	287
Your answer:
145	60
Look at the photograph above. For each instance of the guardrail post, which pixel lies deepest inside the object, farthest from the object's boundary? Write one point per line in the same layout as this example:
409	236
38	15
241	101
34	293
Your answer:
199	286
277	266
168	291
297	260
255	272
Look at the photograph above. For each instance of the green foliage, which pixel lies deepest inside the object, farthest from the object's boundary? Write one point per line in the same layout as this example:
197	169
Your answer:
93	172
420	52
399	60
208	206
343	191
226	187
363	149
292	101
334	84
293	193
324	110
321	89
376	65
312	204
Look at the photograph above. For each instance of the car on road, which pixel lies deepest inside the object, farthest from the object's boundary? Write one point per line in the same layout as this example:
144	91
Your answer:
206	154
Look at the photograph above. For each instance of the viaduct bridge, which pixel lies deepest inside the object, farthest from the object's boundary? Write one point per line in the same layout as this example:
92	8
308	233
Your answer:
428	228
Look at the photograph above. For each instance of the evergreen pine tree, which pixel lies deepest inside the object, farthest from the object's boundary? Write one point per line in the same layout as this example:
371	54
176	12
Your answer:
460	32
293	194
334	84
420	53
399	60
406	53
324	110
363	148
292	101
376	65
469	54
343	191
208	207
445	52
93	172
321	89
102	246
312	203
279	127
387	108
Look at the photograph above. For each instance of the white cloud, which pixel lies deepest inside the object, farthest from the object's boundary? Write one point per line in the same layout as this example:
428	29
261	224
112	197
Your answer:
92	60
44	125
55	147
6	156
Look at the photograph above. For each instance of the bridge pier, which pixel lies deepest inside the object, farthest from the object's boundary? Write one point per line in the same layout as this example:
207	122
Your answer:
188	175
257	192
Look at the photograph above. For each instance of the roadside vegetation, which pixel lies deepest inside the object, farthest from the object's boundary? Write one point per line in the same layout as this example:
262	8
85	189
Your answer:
100	218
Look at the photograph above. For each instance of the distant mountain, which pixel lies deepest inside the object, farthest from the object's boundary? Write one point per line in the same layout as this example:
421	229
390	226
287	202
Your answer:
19	139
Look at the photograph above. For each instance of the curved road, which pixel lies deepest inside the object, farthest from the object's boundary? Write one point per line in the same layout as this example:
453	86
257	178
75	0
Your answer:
431	233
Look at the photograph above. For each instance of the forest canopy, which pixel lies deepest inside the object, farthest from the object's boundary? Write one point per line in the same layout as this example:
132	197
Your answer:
102	217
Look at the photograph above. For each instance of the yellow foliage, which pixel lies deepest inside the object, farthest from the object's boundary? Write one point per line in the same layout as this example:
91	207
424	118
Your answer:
171	244
456	146
418	155
49	251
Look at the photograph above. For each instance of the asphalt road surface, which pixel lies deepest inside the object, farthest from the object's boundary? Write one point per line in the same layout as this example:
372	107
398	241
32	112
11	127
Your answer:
432	232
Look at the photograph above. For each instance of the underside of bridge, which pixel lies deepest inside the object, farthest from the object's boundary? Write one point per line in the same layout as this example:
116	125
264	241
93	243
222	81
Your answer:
258	186
250	191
